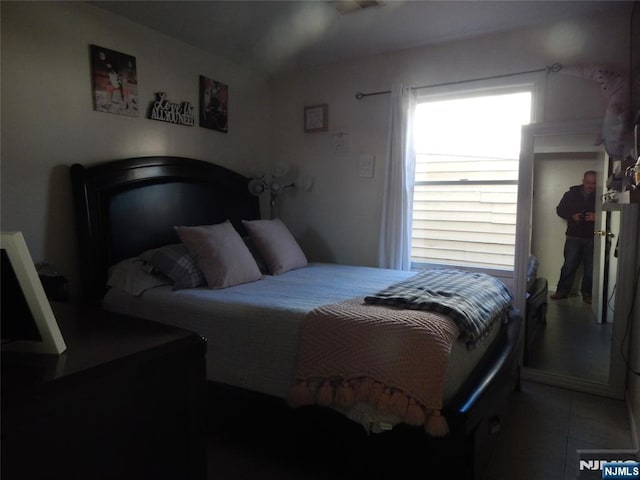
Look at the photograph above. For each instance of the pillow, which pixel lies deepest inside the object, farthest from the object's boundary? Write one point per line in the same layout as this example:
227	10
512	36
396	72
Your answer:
221	254
175	262
133	277
276	245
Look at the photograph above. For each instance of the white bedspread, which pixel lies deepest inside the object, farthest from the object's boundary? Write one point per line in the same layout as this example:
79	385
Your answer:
252	330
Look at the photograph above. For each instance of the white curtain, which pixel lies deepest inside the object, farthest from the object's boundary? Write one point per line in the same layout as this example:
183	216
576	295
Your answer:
397	207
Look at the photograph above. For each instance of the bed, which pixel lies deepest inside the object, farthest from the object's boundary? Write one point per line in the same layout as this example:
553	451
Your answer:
127	211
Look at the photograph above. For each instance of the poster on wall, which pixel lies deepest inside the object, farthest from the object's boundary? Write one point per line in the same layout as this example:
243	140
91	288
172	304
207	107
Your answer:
214	104
115	82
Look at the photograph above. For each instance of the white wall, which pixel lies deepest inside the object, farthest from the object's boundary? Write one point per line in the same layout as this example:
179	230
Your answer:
48	121
338	220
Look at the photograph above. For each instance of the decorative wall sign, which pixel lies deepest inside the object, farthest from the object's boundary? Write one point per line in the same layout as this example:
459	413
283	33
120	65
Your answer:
165	111
214	104
115	81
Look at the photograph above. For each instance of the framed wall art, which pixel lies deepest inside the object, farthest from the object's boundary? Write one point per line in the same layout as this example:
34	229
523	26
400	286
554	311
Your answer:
316	118
214	105
115	81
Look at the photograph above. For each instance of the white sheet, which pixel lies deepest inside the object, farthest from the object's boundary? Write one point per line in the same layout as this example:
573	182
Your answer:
252	329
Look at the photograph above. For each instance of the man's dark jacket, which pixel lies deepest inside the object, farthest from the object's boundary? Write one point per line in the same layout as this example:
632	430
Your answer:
575	201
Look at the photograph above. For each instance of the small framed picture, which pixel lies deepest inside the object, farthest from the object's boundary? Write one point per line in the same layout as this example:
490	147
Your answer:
115	81
214	105
316	118
28	323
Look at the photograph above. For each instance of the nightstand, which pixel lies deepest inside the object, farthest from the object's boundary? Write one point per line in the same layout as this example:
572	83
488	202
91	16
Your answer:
126	400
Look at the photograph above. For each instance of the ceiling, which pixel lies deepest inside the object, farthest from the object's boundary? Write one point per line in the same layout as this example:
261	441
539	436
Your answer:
275	35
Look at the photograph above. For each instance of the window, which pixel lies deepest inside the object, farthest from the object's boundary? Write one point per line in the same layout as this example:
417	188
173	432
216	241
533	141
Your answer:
466	178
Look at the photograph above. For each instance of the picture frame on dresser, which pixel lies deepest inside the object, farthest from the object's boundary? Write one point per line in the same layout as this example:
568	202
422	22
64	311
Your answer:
28	323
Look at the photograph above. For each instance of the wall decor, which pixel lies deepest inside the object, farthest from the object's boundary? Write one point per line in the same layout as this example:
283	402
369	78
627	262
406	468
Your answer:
316	118
115	81
165	111
214	104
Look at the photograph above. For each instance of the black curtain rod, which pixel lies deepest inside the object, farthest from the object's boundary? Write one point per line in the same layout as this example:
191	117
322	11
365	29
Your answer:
556	67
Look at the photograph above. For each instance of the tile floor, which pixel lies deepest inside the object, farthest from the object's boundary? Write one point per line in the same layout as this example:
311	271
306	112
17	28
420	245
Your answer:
548	425
571	342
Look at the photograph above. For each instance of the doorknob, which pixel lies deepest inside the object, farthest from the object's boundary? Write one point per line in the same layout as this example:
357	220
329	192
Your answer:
603	233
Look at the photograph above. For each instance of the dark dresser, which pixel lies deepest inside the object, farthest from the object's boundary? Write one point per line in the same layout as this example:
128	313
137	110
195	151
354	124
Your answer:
126	400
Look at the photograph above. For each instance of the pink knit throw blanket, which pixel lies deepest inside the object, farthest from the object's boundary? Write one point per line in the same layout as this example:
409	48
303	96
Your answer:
393	359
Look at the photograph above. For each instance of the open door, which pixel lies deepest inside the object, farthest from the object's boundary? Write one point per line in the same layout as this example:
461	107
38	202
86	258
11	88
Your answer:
609	238
599	243
604	262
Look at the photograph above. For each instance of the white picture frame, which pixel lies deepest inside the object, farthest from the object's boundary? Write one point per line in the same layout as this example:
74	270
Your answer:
17	253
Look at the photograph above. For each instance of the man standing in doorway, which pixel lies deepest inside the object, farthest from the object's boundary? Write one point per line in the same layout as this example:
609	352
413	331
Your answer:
577	207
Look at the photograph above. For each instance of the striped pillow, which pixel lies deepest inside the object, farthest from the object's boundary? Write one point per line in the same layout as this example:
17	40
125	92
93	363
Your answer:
175	262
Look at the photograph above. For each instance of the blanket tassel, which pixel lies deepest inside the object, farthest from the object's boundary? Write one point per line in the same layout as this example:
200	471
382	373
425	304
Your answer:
387	401
415	414
300	395
399	404
324	395
376	391
345	397
384	401
363	389
436	425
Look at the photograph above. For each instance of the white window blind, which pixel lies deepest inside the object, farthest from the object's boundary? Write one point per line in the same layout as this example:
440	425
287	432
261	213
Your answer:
465	194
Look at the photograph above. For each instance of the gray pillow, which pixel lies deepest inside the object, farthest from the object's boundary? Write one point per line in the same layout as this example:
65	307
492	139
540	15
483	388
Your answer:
276	245
221	254
175	262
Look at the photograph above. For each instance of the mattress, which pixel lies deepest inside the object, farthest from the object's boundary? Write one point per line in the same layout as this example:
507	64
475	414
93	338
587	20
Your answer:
253	329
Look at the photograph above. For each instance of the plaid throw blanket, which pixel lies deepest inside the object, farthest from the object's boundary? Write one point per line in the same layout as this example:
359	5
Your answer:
472	300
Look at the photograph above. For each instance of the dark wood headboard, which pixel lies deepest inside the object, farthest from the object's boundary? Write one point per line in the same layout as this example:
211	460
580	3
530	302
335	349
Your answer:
125	207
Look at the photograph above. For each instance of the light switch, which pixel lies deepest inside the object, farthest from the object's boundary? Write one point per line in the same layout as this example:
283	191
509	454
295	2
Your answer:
340	142
366	166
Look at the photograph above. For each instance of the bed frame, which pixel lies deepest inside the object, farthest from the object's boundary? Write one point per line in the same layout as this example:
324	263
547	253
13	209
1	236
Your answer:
125	207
